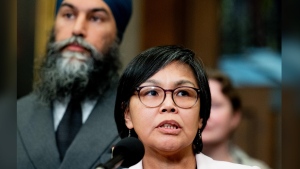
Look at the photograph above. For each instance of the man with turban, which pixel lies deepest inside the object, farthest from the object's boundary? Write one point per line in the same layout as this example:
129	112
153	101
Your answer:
67	121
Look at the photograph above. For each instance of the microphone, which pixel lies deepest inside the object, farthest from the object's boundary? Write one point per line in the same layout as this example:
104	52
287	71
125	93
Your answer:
126	153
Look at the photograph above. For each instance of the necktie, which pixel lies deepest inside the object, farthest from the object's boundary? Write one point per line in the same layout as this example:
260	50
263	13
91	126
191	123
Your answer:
69	126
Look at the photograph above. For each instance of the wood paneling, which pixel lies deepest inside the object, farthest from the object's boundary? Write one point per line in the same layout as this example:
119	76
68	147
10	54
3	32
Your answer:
290	127
191	23
162	23
202	29
45	13
257	133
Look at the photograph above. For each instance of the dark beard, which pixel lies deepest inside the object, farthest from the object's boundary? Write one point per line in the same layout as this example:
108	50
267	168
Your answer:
91	83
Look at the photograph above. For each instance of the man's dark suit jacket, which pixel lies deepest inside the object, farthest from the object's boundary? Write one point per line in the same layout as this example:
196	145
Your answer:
36	145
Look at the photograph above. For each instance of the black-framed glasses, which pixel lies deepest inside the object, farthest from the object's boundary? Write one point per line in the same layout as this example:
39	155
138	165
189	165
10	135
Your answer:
153	96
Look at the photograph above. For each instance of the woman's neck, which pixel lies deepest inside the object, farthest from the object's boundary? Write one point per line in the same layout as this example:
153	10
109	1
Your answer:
156	160
218	151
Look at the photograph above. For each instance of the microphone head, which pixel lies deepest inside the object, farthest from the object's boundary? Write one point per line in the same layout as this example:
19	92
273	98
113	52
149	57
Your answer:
132	149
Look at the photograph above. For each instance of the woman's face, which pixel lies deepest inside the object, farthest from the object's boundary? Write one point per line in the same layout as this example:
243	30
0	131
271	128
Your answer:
167	128
222	120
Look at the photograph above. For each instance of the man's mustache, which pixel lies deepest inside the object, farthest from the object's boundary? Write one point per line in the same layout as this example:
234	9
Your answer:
56	47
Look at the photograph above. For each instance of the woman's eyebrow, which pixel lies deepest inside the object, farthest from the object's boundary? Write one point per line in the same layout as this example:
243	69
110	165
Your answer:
178	83
152	81
182	82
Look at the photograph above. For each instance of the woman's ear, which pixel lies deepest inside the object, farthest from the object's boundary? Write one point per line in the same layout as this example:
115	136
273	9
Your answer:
127	117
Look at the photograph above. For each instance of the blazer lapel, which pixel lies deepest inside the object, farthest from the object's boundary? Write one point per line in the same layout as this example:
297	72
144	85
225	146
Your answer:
36	130
95	137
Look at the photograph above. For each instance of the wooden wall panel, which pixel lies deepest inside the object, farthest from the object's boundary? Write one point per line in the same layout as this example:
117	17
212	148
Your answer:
290	127
202	29
257	133
191	23
45	14
162	23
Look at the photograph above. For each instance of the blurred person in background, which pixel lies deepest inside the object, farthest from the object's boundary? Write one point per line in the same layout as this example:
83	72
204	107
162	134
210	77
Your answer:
225	117
67	121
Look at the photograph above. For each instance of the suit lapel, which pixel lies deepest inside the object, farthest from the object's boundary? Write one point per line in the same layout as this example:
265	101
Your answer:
95	137
36	130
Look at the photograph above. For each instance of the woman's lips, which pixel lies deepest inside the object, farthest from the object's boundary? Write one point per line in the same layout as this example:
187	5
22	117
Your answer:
169	127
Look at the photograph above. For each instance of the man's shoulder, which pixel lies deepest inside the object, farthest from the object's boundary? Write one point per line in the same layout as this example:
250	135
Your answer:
108	97
29	103
26	101
26	97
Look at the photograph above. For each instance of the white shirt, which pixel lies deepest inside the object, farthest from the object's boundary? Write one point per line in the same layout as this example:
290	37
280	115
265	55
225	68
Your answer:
59	109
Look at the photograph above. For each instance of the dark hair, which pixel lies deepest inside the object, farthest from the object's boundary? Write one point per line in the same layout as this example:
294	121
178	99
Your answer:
145	65
226	86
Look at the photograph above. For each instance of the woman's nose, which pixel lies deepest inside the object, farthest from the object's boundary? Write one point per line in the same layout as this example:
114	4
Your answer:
168	105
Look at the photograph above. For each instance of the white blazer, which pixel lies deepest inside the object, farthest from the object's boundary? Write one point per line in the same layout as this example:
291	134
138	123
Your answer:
205	162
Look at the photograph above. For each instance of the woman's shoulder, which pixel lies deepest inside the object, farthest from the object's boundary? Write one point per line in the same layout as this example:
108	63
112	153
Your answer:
206	162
